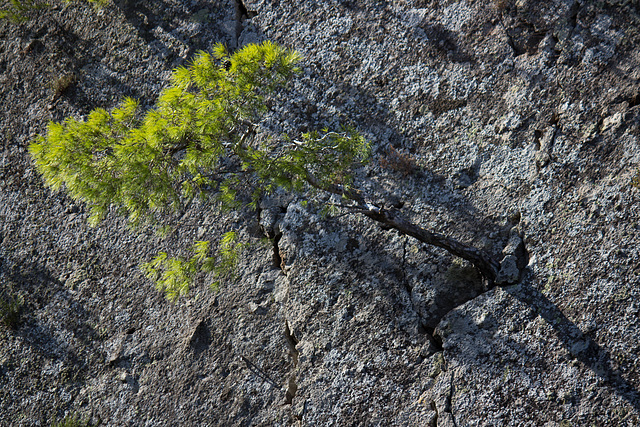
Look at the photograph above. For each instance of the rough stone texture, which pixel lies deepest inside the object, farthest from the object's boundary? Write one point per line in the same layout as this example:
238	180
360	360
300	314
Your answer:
505	117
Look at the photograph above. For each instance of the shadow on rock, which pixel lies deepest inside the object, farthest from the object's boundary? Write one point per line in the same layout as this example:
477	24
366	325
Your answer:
580	346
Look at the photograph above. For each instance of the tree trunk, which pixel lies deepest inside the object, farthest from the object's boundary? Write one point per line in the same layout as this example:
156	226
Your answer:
486	265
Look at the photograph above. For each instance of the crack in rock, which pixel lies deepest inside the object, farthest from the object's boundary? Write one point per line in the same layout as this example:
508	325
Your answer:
278	259
292	341
242	14
269	218
444	412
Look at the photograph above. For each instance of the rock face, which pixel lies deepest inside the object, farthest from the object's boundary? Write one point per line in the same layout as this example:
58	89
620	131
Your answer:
511	125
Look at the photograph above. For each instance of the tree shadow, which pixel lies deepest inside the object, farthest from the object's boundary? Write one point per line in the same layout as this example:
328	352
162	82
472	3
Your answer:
582	347
37	287
149	17
63	53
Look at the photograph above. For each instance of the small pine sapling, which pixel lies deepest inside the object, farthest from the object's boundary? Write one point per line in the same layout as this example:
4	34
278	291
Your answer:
198	143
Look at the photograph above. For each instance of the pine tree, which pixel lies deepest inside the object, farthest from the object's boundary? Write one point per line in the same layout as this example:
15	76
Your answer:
198	142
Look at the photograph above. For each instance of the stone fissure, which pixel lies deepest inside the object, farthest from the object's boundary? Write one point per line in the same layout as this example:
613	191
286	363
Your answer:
292	385
444	414
278	261
434	408
448	403
434	338
268	218
242	14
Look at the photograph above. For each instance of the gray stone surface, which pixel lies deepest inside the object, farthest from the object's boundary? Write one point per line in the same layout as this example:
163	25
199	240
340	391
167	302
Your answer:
511	120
